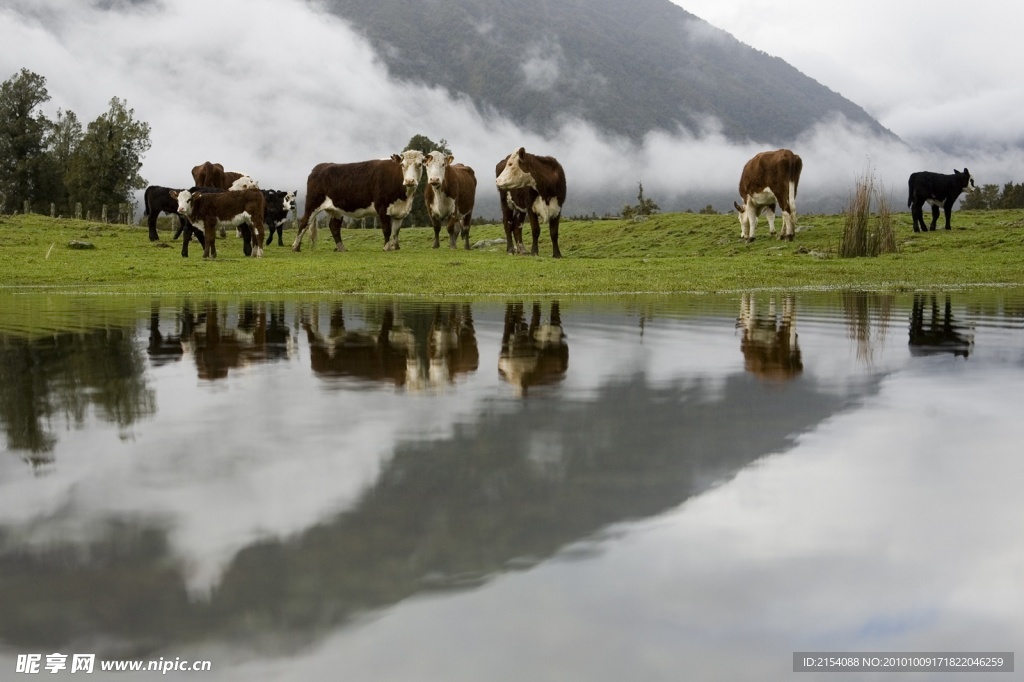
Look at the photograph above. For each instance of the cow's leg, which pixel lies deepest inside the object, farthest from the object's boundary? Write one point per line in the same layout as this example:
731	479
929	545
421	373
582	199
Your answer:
770	210
210	230
935	217
948	206
509	240
188	229
917	214
453	230
787	226
335	227
436	224
390	229
466	220
752	212
153	236
535	231
257	228
553	231
280	234
245	232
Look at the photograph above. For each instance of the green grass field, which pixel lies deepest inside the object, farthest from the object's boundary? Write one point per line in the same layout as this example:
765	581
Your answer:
678	252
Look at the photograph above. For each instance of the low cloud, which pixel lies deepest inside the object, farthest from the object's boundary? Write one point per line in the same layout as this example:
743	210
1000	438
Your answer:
300	87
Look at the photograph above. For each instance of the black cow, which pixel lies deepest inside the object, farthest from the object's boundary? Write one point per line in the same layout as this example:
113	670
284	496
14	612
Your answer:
938	190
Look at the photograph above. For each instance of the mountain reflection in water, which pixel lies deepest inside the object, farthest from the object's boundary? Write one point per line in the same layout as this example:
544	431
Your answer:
457	476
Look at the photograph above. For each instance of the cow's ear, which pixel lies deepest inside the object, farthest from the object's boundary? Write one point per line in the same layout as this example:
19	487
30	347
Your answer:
174	194
396	157
521	153
451	159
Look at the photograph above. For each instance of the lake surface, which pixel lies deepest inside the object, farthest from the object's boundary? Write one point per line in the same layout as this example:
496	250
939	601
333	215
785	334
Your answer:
642	488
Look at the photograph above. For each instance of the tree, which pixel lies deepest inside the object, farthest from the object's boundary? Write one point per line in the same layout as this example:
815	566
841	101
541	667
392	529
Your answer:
104	168
65	138
418	214
644	206
23	134
981	199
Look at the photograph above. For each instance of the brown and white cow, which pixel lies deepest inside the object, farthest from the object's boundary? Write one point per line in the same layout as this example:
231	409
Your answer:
534	185
449	196
224	208
209	174
381	187
768	179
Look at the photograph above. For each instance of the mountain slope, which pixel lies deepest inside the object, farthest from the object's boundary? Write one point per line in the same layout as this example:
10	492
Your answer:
628	67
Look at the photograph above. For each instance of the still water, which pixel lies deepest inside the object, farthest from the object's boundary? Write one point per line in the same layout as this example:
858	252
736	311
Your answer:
645	488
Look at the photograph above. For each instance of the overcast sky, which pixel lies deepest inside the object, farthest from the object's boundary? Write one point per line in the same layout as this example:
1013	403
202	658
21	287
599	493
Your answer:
298	87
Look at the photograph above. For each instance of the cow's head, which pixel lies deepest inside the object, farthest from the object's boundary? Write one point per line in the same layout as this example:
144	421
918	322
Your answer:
412	166
436	164
515	176
289	200
741	211
244	182
185	201
966	181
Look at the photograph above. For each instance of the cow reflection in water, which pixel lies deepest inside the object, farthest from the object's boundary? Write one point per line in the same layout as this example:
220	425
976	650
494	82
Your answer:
934	333
219	342
422	349
769	345
534	354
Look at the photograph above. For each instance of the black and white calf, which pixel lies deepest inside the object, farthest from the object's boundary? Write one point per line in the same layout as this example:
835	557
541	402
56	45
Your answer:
158	200
938	190
279	205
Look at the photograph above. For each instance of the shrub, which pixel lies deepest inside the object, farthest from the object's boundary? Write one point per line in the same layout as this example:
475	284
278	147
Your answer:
861	235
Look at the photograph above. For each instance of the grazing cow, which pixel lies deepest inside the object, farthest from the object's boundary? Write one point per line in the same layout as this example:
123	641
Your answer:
449	196
768	179
382	187
769	343
542	182
158	200
228	208
213	175
938	190
279	205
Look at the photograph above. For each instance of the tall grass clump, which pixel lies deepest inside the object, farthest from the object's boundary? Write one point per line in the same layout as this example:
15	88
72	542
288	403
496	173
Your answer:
864	233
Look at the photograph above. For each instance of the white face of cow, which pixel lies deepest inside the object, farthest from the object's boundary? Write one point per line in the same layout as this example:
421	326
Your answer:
185	202
514	177
289	201
969	185
412	167
436	165
244	182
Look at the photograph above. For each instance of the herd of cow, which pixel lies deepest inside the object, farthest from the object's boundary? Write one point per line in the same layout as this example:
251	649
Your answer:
530	187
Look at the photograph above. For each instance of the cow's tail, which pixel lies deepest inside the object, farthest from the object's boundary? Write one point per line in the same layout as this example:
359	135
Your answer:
145	203
910	190
794	180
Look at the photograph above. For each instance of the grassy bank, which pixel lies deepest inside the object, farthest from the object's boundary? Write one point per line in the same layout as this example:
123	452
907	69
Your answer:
666	253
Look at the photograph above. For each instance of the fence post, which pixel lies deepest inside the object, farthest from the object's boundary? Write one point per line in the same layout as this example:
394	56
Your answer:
103	213
53	210
26	207
78	210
